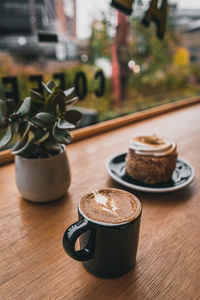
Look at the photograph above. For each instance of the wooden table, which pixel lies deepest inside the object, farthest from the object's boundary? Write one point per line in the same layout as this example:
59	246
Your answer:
33	263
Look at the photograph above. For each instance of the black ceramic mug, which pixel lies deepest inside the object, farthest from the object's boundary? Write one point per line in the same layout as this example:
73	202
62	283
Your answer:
107	250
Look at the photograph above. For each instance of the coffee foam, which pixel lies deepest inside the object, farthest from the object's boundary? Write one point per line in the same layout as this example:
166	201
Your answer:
152	145
110	206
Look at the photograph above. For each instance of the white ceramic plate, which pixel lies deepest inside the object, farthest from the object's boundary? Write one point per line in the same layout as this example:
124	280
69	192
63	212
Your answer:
181	177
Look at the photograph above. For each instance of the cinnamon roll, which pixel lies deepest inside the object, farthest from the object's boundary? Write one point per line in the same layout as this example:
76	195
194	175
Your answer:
151	159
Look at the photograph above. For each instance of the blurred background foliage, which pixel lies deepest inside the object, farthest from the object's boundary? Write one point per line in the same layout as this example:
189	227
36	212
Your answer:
164	71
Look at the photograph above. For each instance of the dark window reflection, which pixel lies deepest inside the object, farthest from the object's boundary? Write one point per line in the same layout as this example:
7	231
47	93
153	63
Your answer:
117	65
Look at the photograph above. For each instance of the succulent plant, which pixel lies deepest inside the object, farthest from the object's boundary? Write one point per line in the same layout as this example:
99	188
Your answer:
40	123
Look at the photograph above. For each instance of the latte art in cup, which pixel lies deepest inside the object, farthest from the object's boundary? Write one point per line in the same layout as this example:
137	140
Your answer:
108	232
110	206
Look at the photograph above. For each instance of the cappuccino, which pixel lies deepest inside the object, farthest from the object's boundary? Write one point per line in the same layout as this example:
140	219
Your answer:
110	206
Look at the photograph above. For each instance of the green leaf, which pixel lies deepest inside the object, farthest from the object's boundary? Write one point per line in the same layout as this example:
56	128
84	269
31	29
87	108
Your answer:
63	124
25	107
69	92
24	127
51	144
61	136
55	99
46	119
40	136
26	148
19	144
37	102
58	113
49	86
27	131
48	103
71	101
35	96
15	115
36	107
73	116
15	126
47	89
6	138
11	105
36	122
3	110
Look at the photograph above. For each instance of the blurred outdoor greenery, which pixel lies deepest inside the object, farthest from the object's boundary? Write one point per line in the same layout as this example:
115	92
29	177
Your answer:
166	73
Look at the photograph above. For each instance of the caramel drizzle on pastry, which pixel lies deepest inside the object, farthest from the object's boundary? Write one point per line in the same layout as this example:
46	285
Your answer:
151	145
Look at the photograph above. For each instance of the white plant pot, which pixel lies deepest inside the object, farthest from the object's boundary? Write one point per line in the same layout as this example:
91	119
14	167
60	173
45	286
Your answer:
43	179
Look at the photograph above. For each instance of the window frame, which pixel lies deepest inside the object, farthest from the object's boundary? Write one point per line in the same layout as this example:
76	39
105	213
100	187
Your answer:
79	134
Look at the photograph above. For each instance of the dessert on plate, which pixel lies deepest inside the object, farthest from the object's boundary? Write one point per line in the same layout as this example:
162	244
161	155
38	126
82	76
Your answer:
151	159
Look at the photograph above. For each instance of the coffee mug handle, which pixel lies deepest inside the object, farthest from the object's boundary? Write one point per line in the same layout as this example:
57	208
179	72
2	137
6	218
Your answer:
72	234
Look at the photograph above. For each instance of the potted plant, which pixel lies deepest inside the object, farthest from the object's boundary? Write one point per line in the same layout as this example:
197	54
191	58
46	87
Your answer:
40	126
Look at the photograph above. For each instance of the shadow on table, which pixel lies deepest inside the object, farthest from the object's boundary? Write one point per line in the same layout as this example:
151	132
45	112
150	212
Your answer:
98	288
176	197
43	205
55	212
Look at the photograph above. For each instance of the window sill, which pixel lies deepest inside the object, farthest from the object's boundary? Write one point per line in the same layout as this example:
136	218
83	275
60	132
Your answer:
82	133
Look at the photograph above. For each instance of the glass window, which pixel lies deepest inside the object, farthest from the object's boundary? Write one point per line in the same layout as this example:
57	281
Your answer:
117	65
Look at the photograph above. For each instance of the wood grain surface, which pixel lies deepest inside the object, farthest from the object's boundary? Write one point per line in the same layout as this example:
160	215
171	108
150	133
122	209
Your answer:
33	264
